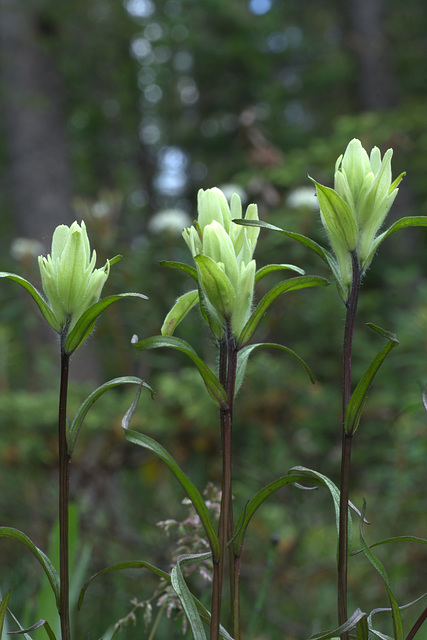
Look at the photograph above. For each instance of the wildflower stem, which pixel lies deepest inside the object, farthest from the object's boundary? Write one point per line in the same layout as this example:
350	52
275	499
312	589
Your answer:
227	376
346	445
64	481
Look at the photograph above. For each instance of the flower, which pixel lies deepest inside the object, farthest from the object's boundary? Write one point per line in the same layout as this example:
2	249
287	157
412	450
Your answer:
353	212
223	252
70	281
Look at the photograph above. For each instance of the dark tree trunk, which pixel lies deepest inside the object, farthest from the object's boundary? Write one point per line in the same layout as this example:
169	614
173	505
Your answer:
39	173
368	41
39	176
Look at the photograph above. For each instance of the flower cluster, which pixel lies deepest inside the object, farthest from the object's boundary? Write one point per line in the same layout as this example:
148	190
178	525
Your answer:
353	212
223	253
70	280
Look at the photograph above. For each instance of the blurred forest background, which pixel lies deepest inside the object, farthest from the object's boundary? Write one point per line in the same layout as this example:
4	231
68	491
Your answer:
117	113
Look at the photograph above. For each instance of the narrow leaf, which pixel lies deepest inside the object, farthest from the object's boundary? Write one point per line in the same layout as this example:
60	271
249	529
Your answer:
288	285
216	285
270	268
336	216
137	564
212	384
403	223
243	356
378	566
26	636
132	564
326	255
335	495
358	397
191	490
87	321
178	312
37	297
311	244
115	259
181	265
49	569
3	609
296	476
78	419
38	625
394	539
185	596
362	628
357	617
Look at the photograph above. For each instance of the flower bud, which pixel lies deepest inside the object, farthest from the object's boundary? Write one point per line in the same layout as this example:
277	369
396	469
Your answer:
353	212
223	253
70	281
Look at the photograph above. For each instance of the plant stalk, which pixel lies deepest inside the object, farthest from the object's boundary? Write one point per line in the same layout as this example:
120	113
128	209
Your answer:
347	440
227	377
64	482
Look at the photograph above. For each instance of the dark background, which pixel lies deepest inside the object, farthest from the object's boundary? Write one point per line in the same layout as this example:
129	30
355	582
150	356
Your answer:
117	114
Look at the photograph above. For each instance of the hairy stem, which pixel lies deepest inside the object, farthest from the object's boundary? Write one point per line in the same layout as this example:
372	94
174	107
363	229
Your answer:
346	446
227	376
64	481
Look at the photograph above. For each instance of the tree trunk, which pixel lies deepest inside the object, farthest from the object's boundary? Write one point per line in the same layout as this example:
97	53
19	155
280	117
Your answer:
377	85
39	172
39	176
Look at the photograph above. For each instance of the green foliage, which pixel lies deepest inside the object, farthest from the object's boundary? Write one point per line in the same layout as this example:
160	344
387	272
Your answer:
280	102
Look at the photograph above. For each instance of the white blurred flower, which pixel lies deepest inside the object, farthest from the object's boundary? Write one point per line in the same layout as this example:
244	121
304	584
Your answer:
169	221
23	248
303	197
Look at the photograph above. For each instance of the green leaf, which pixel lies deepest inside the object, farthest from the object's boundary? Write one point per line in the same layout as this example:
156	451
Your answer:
311	244
358	620
292	284
403	223
415	627
38	625
399	539
87	321
216	286
212	384
243	356
178	312
115	259
138	564
26	636
37	297
326	255
181	265
358	397
378	566
49	569
78	419
337	217
184	594
296	476
132	564
3	609
270	268
191	490
362	628
333	490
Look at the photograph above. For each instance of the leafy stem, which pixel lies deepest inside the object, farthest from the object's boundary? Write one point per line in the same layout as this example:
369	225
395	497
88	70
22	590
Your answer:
64	482
227	377
347	440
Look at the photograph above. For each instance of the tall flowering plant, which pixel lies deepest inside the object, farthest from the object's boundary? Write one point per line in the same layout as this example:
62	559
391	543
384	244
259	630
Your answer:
352	214
225	274
71	304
